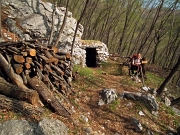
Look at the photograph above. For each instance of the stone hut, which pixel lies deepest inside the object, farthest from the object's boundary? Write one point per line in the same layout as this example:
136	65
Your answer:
90	53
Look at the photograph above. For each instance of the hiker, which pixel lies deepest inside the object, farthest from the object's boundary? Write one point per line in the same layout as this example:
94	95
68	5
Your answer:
136	64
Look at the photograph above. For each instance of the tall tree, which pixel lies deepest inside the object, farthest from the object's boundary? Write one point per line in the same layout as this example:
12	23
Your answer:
52	27
63	24
151	28
77	25
130	5
169	77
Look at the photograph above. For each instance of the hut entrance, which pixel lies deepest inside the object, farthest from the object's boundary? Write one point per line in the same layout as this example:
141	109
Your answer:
91	57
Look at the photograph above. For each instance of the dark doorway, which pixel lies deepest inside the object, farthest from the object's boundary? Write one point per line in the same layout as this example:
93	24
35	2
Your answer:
91	57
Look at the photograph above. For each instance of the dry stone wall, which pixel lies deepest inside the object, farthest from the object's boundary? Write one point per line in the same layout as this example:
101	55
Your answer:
101	50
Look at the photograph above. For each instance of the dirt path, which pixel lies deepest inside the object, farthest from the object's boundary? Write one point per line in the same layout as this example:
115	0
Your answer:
107	119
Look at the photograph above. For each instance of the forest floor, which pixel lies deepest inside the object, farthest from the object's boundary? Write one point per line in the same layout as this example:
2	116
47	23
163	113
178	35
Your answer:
114	118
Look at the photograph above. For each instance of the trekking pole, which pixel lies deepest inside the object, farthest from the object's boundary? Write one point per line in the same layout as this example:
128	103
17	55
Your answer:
142	75
137	80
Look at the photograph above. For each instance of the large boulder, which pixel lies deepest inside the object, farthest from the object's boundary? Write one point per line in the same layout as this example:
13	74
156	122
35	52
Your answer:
46	126
35	18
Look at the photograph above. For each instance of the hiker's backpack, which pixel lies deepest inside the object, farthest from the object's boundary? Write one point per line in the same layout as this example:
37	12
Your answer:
131	59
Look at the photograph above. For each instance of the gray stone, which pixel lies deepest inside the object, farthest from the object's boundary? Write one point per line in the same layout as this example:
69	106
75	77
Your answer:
148	100
167	101
13	28
176	110
129	96
22	127
17	127
52	127
35	16
101	102
149	132
136	124
84	118
88	130
107	95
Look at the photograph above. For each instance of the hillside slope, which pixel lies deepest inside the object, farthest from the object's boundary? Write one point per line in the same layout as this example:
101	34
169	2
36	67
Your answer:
117	116
109	119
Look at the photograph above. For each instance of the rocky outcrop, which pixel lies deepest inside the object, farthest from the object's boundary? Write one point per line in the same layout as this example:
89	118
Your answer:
33	19
147	99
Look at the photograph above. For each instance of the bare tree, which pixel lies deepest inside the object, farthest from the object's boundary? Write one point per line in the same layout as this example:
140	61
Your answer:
52	27
87	19
63	24
126	23
151	28
169	77
77	25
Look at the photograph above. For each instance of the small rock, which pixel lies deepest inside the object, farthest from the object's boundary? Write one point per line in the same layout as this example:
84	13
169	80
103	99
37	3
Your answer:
84	118
136	124
88	130
167	101
141	113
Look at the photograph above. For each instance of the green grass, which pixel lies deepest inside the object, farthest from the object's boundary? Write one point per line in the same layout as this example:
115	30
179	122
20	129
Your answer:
138	107
89	77
1	117
114	105
176	123
90	41
111	68
87	72
154	80
170	111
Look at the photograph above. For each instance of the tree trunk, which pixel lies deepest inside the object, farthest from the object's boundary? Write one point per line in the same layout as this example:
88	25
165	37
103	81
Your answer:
13	91
15	78
175	101
52	27
168	79
20	106
48	96
77	25
63	25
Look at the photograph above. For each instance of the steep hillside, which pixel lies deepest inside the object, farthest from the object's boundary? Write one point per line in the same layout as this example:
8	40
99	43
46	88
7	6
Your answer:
117	117
109	119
